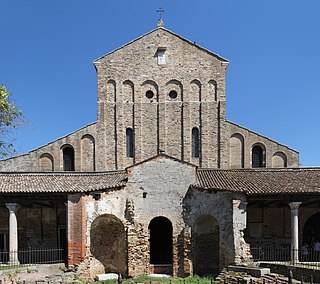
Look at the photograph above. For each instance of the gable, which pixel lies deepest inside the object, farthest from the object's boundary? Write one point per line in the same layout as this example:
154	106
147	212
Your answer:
162	174
160	31
143	59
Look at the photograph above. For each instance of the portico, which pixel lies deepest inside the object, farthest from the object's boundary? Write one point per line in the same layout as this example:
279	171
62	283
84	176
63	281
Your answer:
30	225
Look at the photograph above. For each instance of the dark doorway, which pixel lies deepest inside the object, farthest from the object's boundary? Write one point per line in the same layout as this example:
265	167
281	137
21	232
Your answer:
160	241
311	230
206	246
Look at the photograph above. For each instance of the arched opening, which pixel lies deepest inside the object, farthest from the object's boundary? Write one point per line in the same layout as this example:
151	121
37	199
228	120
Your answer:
258	157
68	158
311	230
160	241
206	246
108	243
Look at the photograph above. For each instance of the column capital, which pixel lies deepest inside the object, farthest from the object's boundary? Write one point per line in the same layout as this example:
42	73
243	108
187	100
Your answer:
294	205
13	207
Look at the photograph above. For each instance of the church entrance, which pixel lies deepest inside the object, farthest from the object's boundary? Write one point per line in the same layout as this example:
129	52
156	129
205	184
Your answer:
160	229
205	245
108	243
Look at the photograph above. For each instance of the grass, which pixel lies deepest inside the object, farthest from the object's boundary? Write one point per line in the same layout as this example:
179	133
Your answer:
159	280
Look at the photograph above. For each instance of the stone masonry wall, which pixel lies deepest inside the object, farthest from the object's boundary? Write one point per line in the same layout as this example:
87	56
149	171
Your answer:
160	194
161	122
241	141
50	158
229	212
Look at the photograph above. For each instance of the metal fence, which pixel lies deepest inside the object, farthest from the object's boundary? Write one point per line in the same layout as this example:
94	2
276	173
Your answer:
284	255
31	256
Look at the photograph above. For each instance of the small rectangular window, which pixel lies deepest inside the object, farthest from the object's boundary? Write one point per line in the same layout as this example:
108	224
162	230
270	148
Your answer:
161	56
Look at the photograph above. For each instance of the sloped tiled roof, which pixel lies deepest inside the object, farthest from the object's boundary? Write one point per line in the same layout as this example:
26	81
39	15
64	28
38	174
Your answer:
60	182
261	181
252	182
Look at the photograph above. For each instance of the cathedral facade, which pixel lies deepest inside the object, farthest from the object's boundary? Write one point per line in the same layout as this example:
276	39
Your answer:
162	182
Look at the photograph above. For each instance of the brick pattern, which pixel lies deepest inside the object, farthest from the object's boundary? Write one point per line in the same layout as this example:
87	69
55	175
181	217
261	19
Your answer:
76	221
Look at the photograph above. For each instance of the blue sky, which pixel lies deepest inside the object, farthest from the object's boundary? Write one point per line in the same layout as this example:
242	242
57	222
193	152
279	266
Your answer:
273	80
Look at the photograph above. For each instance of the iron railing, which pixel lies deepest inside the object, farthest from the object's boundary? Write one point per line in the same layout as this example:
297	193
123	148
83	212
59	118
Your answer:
285	255
32	256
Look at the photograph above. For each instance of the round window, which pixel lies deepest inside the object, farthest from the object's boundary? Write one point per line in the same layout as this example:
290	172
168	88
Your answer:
149	94
173	94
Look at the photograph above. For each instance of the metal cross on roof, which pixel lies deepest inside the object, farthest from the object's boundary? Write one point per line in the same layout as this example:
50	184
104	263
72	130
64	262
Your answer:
160	11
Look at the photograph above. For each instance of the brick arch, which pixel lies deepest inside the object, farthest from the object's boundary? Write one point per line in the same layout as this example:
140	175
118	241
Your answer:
279	160
205	240
46	162
149	85
87	153
108	243
213	90
111	91
236	151
174	85
128	91
195	90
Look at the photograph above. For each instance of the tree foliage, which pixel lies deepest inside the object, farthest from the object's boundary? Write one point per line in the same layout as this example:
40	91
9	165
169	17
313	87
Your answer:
10	119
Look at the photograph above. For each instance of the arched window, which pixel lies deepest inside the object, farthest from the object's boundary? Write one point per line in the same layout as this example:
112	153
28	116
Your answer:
257	157
68	159
129	142
195	142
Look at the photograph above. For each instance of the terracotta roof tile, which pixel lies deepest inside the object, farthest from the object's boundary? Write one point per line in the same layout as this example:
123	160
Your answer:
261	181
60	182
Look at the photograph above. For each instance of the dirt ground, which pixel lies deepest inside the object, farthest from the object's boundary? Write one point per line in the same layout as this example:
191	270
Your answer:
46	273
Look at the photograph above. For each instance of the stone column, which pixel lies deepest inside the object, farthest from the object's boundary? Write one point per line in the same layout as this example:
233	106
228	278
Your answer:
294	231
13	233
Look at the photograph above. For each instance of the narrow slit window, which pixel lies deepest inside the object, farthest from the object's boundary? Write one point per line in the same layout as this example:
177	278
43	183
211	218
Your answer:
195	142
129	142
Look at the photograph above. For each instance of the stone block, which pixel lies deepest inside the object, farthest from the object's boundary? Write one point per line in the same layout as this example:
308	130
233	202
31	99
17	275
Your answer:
106	276
253	271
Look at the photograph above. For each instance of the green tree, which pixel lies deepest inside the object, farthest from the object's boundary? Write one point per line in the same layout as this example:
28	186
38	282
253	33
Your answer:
10	119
